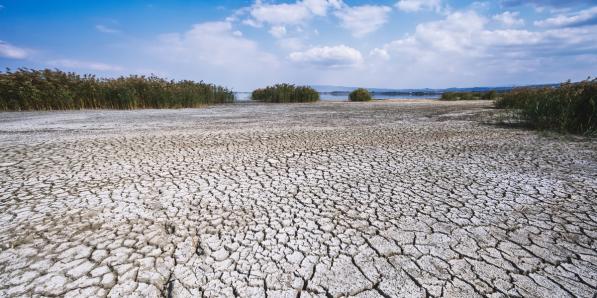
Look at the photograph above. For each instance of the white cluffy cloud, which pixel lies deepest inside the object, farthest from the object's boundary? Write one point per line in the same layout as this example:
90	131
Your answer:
509	19
417	5
288	13
215	52
336	56
13	52
580	18
362	20
466	33
213	43
278	31
463	44
85	65
380	53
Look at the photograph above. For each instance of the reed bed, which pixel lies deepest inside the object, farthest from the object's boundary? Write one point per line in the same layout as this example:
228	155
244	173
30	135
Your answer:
281	93
360	94
27	89
571	107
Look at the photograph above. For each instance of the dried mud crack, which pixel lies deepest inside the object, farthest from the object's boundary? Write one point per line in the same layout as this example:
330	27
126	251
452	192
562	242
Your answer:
383	199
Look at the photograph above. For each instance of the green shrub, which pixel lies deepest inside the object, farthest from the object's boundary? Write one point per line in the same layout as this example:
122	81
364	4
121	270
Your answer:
490	95
572	107
359	95
285	93
27	89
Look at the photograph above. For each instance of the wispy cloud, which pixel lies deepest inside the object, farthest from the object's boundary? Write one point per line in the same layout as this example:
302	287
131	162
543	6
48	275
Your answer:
106	29
418	5
84	65
543	3
291	44
278	31
575	19
509	18
13	52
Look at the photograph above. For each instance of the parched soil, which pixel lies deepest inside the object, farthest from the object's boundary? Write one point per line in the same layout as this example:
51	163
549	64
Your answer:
380	199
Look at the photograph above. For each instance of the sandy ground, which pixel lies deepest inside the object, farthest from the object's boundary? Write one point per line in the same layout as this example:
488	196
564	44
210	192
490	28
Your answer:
383	199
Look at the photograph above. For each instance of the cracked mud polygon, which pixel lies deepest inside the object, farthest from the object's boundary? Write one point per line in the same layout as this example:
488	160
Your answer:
384	199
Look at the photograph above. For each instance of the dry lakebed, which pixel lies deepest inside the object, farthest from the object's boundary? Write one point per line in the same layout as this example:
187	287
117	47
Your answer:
329	199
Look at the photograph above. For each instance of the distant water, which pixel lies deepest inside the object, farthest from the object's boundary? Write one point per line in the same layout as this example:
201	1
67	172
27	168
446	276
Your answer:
242	96
340	97
245	96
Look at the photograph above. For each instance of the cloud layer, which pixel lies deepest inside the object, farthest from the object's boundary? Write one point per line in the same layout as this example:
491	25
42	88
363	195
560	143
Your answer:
13	52
464	44
403	43
84	65
576	19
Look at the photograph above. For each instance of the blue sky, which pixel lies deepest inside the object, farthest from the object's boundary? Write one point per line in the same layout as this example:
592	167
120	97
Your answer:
249	44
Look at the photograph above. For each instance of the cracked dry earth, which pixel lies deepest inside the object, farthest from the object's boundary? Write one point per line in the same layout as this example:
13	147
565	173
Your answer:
382	199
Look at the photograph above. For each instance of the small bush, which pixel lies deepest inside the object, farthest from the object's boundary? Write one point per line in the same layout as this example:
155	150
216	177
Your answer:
491	95
572	107
281	93
47	89
359	95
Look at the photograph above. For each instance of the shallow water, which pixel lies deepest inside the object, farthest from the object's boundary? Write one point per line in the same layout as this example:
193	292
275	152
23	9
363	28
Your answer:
245	96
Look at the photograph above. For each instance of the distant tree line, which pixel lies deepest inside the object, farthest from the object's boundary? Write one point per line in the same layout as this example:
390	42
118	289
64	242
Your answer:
452	96
27	89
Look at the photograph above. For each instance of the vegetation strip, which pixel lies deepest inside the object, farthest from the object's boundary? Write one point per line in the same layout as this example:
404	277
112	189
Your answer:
27	89
572	107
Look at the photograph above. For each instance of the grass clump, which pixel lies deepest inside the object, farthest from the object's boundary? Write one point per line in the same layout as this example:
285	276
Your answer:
453	96
47	89
285	93
572	107
360	95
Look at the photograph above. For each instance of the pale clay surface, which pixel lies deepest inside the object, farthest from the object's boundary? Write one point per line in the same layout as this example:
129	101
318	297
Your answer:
380	199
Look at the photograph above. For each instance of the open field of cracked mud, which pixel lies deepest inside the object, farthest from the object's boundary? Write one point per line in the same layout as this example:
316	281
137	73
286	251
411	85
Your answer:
382	199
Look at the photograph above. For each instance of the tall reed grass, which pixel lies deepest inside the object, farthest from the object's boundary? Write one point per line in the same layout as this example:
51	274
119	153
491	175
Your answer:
285	93
572	107
27	89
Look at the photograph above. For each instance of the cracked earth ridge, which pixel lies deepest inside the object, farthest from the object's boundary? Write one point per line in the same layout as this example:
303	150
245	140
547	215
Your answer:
381	199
